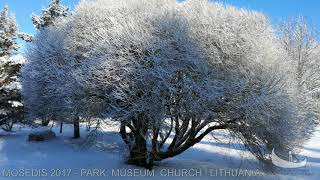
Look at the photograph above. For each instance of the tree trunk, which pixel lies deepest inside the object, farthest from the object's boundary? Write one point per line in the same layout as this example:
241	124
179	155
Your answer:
139	153
76	127
137	143
61	124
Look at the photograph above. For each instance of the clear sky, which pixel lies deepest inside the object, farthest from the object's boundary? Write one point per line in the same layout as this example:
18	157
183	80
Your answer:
24	8
275	9
278	10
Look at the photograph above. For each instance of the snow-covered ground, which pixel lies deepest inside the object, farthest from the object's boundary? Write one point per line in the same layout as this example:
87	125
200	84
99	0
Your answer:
104	158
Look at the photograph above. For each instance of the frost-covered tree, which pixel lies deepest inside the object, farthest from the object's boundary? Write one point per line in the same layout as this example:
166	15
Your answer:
300	41
10	100
9	31
45	99
170	73
24	36
49	14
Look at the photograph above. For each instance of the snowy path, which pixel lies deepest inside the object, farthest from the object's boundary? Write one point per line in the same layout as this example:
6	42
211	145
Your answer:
63	158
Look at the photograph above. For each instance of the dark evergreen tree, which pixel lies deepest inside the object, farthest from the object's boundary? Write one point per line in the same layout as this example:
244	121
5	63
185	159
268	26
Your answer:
11	107
49	14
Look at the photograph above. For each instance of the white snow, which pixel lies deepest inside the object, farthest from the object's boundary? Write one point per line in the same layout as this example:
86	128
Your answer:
15	103
11	86
76	160
18	59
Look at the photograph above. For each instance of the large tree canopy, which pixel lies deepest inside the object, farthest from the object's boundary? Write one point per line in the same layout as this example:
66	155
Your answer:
164	68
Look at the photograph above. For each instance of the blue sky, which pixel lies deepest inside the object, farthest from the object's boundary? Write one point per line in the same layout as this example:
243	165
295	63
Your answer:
24	8
278	10
275	9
